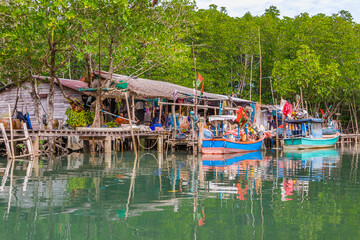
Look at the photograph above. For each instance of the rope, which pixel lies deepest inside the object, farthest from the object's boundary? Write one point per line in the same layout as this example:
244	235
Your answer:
150	155
149	147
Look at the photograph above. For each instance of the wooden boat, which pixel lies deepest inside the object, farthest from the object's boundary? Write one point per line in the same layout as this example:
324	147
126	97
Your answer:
307	134
225	146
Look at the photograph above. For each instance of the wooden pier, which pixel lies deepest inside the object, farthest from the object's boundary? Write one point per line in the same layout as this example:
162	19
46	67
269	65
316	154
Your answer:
348	138
90	135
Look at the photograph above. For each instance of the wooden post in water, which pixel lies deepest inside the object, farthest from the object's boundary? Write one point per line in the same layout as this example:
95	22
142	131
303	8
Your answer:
131	128
93	145
133	108
29	143
160	144
201	134
86	146
36	145
11	134
284	127
107	144
174	121
260	64
160	112
6	141
277	132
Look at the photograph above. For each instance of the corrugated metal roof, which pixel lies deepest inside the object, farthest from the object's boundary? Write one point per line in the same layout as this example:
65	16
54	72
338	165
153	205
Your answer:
72	84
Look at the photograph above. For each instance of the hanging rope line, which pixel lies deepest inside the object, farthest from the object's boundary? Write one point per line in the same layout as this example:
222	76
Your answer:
149	147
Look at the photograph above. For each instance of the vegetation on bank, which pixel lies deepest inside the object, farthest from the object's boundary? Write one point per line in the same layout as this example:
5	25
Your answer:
170	40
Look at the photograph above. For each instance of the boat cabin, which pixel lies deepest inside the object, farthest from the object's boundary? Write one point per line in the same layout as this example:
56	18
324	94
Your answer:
311	128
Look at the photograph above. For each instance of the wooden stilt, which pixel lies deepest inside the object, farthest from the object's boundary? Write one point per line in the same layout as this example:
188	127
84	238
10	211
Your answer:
93	145
160	144
277	131
108	144
11	134
6	141
160	112
28	142
201	135
174	121
130	122
133	108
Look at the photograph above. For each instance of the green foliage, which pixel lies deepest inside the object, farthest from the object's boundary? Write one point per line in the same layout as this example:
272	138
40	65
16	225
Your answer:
78	119
318	81
111	124
317	53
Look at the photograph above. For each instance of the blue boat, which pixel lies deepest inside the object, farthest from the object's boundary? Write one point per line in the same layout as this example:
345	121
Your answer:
308	134
224	146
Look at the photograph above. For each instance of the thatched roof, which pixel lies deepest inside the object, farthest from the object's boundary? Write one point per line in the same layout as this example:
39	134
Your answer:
146	88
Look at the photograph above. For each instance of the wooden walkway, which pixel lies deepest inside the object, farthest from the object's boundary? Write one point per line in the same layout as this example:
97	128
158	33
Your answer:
90	132
348	138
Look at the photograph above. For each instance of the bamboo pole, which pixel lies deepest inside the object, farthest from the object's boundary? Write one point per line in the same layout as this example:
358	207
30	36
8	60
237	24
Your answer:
260	63
6	141
196	88
174	120
160	112
251	67
201	134
133	107
277	132
11	134
272	92
302	100
199	106
130	122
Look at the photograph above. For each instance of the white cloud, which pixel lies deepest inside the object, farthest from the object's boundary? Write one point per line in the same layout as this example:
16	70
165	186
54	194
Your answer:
290	8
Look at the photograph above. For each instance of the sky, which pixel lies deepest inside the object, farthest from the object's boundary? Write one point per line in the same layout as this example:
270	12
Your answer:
289	8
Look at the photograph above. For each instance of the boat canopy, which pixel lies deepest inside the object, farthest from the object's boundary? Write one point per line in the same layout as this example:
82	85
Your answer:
308	120
222	118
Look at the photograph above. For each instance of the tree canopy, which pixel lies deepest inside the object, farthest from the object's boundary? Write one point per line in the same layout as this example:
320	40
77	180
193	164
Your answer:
172	41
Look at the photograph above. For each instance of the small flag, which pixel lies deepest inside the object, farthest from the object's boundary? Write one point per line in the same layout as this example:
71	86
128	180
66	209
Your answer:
201	82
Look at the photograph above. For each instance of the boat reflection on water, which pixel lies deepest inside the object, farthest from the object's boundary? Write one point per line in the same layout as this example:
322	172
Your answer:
233	174
314	164
223	161
240	173
303	167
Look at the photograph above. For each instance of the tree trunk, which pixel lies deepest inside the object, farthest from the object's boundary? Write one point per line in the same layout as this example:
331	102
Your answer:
355	116
36	100
88	74
97	109
52	87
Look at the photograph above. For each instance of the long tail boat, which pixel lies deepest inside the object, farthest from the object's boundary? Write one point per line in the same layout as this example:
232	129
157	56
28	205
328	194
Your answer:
308	134
224	146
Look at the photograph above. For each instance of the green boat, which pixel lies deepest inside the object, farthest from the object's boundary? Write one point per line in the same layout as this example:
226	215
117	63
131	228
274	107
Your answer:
308	134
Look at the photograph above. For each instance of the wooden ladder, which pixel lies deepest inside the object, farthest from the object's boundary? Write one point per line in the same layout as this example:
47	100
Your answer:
9	144
5	139
26	140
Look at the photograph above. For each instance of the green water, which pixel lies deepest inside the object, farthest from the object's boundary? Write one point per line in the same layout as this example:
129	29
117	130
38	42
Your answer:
299	195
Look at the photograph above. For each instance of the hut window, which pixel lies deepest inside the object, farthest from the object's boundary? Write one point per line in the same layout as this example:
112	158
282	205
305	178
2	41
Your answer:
43	95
